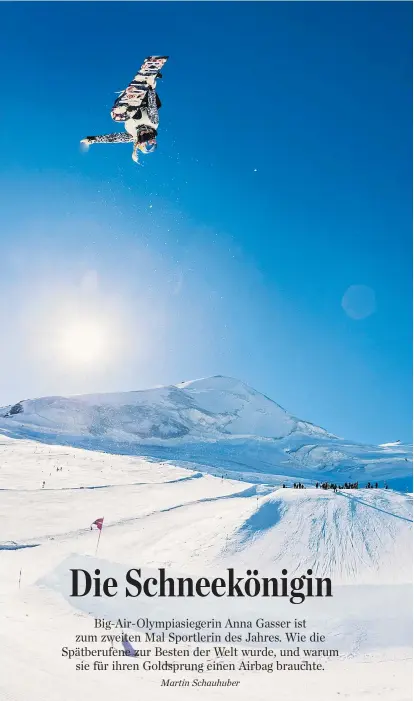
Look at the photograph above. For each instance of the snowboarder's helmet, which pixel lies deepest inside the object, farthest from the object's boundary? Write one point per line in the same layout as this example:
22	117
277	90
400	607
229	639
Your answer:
148	146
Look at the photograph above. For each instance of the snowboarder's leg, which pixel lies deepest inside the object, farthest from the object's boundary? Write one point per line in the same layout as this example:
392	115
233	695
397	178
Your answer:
152	107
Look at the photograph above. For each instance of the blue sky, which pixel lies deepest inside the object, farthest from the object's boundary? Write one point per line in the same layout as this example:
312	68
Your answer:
282	178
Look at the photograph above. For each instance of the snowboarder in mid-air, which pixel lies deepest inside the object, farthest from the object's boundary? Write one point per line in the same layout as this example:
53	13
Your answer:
137	106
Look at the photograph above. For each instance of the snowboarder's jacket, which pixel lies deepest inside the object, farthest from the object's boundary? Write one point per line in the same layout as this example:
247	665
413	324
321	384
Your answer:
141	126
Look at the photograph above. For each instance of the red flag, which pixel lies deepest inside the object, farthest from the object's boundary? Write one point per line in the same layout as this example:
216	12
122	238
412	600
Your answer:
98	523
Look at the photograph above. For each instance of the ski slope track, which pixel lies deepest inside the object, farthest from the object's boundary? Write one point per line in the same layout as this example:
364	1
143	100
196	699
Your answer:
190	478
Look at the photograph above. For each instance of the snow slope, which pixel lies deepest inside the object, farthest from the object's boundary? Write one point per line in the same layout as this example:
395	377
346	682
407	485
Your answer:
351	535
219	423
193	523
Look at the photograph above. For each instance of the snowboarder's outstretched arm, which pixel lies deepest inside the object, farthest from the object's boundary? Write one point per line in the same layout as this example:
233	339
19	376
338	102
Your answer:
116	138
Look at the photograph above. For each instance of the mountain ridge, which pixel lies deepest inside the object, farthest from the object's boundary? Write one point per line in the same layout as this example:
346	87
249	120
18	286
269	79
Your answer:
219	422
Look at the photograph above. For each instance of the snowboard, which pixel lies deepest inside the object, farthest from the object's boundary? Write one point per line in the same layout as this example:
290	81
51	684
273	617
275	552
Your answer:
133	96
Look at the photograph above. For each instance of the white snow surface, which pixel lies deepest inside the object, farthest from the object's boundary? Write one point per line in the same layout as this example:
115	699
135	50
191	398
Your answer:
198	517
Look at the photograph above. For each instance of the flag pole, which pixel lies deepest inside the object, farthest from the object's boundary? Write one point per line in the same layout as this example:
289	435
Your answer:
97	545
99	524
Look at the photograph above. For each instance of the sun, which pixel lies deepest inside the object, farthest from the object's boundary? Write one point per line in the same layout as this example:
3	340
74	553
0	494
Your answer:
83	342
80	333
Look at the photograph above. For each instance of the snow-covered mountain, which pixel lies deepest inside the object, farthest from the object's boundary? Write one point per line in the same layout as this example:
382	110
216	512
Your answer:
189	478
208	409
219	423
